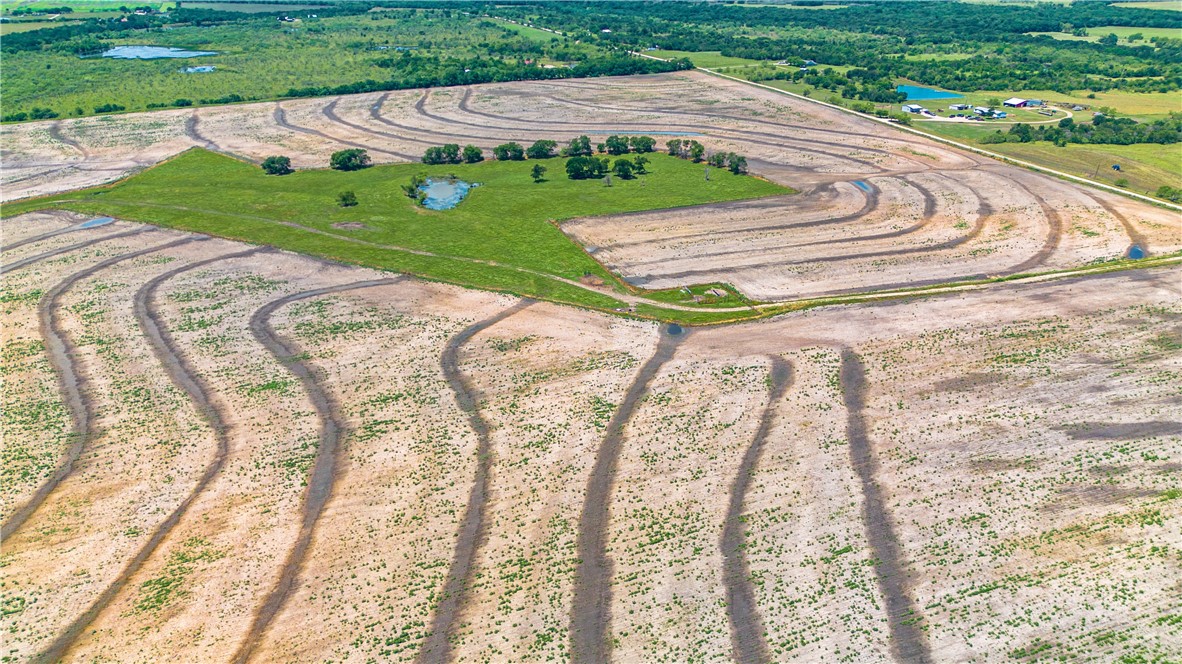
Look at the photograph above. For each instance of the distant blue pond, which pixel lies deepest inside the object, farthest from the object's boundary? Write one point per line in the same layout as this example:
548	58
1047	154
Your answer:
444	194
863	186
152	53
1135	252
918	93
202	69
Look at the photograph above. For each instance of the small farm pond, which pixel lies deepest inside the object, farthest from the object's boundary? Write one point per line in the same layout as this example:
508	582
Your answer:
919	93
152	53
444	194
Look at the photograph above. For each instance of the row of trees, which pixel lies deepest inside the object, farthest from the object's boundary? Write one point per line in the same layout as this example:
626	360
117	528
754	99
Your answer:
1102	130
543	149
452	153
585	167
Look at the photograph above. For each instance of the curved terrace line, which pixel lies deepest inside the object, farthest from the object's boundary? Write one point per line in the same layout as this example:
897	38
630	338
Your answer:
279	115
329	111
748	645
787	143
472	531
323	477
55	132
184	377
1054	233
590	617
16	265
908	642
71	382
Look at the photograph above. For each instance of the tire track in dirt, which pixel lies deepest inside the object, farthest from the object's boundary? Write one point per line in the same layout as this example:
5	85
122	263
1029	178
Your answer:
929	212
71	383
280	117
908	642
472	532
329	111
194	134
375	111
184	377
38	238
978	227
590	617
786	142
748	645
55	132
1054	233
1135	237
16	265
869	204
322	479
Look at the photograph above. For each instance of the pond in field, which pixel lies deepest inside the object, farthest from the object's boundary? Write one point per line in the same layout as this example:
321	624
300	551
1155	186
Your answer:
152	53
919	93
444	194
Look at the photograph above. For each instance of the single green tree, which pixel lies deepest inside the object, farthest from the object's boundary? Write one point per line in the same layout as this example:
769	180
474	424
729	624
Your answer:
737	163
277	165
674	147
450	153
353	159
640	162
624	168
543	149
346	199
509	152
538	172
473	154
696	151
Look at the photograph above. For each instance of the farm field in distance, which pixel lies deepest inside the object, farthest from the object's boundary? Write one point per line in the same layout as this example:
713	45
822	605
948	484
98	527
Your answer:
796	384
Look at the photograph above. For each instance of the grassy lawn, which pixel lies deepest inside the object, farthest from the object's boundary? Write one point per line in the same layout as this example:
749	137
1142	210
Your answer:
508	219
705	59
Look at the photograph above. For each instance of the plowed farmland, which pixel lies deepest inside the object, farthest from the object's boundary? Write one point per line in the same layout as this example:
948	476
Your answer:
224	451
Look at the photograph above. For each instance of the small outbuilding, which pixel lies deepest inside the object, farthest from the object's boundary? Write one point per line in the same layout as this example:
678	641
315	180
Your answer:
912	108
1014	102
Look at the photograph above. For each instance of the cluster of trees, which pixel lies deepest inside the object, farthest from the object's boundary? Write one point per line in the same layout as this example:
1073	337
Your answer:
998	54
584	167
35	113
452	153
617	145
353	159
1170	193
431	71
1102	130
696	152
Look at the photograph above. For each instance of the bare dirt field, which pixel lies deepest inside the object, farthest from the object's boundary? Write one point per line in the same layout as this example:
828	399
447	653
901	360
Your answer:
221	452
218	452
877	208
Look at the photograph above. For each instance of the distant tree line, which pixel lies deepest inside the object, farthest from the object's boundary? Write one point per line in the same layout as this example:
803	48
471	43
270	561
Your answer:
1101	130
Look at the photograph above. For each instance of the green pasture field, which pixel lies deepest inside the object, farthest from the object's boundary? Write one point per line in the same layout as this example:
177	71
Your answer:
1145	166
257	59
508	219
1122	32
252	7
1169	5
86	7
9	27
704	59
